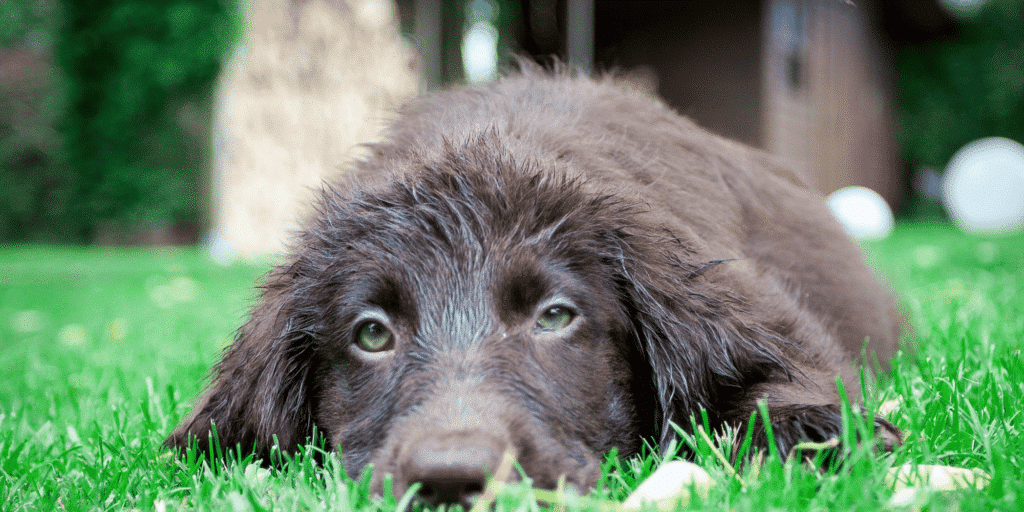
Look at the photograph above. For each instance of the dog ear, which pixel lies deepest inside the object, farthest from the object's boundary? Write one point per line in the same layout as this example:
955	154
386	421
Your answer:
262	386
701	346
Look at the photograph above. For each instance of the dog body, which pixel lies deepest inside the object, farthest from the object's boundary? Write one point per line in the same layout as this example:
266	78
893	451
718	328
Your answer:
554	266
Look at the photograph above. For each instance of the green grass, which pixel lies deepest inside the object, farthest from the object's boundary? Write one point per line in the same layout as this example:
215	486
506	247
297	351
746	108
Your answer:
102	351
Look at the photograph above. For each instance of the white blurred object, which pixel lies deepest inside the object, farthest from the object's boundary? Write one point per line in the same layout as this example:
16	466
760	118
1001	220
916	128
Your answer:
943	478
669	487
480	52
864	213
480	41
912	483
963	9
983	187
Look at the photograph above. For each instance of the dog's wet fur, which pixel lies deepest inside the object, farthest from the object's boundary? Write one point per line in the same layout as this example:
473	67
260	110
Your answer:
555	266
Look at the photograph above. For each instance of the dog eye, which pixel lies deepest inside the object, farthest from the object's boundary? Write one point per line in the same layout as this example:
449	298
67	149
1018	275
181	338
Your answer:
374	337
555	318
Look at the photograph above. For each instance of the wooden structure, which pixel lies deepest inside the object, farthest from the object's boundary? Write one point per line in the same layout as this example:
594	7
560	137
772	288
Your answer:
807	80
311	81
827	100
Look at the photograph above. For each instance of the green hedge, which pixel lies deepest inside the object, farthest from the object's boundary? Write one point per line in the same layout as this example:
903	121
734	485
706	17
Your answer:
140	75
121	136
29	179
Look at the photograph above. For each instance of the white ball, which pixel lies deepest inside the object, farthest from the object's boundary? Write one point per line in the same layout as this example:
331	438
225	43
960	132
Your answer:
983	187
864	214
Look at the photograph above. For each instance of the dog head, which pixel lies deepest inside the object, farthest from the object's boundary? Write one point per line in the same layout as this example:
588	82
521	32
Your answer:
431	321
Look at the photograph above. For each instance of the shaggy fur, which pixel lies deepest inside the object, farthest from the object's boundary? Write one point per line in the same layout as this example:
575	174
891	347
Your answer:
695	273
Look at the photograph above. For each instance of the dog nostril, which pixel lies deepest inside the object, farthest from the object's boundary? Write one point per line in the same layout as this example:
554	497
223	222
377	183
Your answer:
451	492
450	475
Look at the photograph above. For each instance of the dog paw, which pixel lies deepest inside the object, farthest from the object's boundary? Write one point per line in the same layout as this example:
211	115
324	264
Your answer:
813	428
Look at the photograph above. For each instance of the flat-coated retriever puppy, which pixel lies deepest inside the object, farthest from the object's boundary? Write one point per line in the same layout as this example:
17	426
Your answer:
555	266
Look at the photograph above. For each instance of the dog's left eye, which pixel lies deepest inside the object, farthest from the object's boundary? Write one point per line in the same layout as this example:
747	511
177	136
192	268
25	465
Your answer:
374	337
555	318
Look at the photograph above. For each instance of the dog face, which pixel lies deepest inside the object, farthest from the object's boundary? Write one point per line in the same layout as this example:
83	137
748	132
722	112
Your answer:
461	326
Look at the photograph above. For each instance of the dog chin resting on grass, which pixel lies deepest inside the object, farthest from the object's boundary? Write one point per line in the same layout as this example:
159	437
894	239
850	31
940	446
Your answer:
554	266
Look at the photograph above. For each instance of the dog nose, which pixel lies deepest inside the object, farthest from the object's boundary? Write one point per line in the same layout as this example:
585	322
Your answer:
451	475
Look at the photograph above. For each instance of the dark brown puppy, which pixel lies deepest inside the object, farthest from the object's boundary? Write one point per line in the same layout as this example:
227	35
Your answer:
555	266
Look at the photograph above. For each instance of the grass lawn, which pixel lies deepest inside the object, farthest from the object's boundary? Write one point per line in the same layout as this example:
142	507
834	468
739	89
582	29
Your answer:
103	350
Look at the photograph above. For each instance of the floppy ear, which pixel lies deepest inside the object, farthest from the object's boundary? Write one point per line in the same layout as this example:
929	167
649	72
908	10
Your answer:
701	345
708	349
262	386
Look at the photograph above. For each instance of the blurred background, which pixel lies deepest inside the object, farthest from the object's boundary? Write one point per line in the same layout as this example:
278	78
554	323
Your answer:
166	122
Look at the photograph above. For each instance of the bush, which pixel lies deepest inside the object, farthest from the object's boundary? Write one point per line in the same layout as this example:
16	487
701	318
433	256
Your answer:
30	181
132	95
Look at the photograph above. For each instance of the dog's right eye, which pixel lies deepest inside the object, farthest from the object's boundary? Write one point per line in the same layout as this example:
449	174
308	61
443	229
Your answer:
374	337
555	318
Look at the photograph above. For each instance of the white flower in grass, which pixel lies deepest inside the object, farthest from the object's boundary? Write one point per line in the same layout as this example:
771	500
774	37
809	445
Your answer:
117	329
943	478
256	475
27	321
927	256
912	482
987	252
73	436
178	290
73	335
888	407
669	487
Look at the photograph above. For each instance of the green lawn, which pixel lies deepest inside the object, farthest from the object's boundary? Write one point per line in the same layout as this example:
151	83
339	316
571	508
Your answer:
103	350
